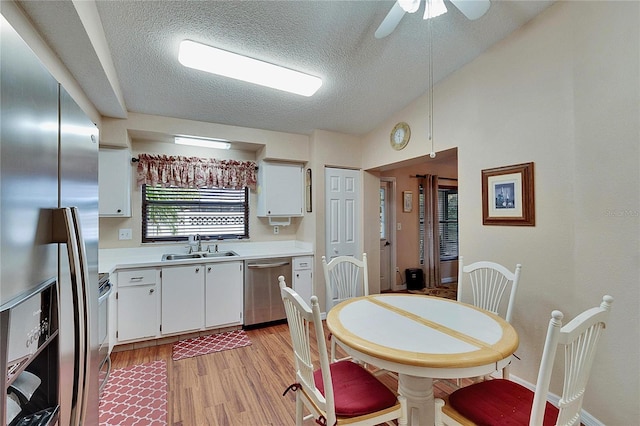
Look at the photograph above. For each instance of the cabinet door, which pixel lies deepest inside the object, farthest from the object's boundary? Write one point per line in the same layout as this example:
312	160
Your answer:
114	180
303	284
303	277
223	294
137	312
182	299
281	189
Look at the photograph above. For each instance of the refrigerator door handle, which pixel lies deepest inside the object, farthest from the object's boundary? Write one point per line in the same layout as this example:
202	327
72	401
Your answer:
66	230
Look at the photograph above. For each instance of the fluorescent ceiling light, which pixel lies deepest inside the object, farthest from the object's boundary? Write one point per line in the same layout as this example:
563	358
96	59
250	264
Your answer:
232	65
207	143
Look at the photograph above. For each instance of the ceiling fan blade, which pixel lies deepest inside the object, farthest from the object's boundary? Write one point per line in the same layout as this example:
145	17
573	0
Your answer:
390	22
472	9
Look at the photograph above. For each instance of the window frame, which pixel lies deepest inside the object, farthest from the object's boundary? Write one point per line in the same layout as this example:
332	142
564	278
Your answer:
443	219
203	236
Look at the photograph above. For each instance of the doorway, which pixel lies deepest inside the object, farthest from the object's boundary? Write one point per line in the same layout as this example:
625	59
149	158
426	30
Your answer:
387	233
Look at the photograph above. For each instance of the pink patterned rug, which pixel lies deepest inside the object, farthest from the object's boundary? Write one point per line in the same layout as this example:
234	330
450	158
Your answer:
208	344
135	395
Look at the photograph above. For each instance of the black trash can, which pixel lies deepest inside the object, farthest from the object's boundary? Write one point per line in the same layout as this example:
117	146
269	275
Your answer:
415	278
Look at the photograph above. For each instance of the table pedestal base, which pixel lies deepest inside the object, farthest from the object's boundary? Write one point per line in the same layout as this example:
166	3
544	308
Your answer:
420	403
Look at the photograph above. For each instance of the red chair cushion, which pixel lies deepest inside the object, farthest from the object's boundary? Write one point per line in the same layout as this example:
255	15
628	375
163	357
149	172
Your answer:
498	402
355	390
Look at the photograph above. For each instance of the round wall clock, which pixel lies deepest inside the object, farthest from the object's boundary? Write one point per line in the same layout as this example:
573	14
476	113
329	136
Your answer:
400	136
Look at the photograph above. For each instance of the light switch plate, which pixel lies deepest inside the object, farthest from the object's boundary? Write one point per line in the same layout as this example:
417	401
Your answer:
124	234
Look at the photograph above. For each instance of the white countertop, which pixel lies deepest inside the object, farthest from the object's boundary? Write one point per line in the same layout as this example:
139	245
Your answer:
149	256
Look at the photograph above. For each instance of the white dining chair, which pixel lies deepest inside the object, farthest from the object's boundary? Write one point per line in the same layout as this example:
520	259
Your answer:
345	277
337	393
500	401
490	285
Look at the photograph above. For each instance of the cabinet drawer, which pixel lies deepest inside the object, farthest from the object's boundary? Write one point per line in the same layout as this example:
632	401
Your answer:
301	263
137	277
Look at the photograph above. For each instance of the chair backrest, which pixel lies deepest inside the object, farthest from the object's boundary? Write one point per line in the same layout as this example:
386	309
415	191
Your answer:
580	339
345	277
489	282
304	320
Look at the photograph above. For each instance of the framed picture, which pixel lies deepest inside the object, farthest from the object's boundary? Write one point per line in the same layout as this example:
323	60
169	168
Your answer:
407	198
507	196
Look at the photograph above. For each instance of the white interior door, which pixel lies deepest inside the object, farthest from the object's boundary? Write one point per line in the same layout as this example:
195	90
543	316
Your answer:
342	201
387	233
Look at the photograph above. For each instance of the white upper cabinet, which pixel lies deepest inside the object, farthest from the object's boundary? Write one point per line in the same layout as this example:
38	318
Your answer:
114	179
280	189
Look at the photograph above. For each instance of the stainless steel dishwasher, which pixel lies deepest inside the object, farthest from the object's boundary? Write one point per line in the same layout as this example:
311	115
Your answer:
262	302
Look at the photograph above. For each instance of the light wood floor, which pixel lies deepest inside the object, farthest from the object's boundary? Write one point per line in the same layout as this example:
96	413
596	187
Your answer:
242	386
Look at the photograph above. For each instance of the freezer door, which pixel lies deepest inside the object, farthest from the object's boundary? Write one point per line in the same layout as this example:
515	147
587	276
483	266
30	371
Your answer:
28	167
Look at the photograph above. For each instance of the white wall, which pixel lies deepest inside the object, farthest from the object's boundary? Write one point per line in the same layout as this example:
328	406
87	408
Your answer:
562	92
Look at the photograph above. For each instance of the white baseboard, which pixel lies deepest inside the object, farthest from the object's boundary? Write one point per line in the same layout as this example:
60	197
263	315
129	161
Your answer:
585	418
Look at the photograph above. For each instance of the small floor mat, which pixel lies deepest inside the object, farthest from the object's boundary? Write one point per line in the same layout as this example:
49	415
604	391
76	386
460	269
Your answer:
135	396
208	344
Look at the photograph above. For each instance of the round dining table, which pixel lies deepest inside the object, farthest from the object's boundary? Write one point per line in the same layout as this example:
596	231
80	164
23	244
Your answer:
422	338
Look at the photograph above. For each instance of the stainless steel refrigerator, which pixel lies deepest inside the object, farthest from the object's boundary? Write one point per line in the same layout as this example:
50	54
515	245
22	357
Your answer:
48	245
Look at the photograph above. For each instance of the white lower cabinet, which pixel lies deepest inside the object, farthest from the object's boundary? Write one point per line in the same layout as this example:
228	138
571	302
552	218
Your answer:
223	294
155	302
303	277
182	298
137	304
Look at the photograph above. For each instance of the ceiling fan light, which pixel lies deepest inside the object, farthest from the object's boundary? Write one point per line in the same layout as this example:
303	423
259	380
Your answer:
434	8
232	65
202	142
409	6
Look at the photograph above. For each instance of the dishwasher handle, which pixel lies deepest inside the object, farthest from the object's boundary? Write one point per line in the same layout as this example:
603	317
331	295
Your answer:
268	265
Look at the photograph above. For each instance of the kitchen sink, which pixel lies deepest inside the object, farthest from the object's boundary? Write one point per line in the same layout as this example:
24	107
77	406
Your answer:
198	255
220	254
181	256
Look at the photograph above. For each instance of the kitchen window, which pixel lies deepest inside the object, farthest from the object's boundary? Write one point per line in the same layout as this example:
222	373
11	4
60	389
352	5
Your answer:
173	214
448	220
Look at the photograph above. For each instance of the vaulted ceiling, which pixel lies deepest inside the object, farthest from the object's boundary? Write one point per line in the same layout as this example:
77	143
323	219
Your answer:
365	79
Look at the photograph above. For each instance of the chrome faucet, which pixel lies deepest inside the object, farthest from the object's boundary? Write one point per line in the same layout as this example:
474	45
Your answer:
195	239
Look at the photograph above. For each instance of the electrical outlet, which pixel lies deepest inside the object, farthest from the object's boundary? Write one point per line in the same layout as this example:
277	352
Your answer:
397	269
124	234
399	226
276	230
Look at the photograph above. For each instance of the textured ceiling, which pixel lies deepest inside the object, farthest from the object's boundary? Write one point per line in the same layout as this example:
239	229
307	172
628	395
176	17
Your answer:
365	79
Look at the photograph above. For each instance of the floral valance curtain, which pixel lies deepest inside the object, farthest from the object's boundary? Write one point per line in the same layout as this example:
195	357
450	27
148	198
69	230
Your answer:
194	172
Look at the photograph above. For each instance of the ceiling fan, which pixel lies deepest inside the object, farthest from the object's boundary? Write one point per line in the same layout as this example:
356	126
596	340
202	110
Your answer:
472	9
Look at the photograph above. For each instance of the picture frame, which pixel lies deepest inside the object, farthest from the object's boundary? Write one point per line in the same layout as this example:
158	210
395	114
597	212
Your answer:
407	201
508	195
